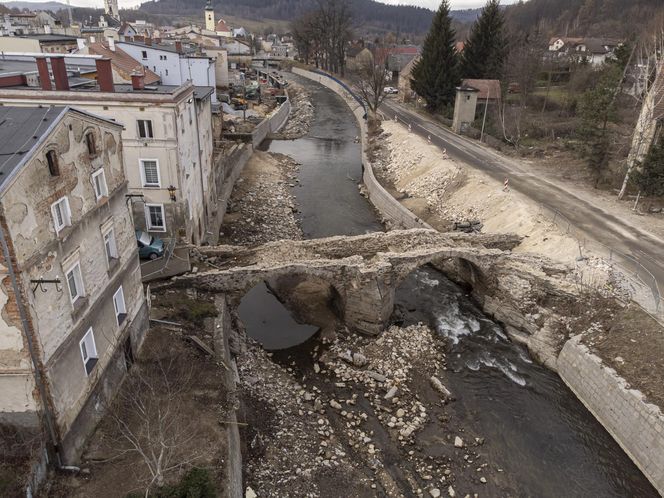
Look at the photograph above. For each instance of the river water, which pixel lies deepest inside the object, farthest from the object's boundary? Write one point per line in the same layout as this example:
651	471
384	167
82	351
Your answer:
535	428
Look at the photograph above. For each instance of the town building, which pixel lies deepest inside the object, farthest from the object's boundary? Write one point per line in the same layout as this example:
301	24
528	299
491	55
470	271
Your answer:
175	64
123	65
594	51
167	137
73	308
111	9
46	43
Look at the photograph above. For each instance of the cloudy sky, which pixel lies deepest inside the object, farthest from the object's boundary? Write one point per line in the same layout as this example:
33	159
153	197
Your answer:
431	4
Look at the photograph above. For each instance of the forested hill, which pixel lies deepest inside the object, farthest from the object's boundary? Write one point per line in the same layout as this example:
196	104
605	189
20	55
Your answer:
609	18
404	19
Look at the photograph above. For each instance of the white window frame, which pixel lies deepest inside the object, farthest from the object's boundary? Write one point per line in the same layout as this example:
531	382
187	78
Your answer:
65	214
114	245
147	218
104	186
119	310
143	179
78	282
145	128
88	348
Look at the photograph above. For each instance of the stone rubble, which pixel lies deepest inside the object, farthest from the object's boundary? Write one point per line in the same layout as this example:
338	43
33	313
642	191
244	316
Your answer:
262	209
301	115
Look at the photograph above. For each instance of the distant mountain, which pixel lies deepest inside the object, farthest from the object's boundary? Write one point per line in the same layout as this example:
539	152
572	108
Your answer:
466	16
368	13
610	18
54	6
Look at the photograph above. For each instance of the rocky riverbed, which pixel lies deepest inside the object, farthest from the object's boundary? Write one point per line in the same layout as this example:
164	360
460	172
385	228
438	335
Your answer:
354	417
262	207
301	115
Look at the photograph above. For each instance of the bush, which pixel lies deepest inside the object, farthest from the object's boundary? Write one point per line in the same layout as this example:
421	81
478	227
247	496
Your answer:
197	311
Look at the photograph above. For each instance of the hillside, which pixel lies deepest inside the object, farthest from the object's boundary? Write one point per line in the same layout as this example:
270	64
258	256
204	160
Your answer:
368	13
614	18
53	6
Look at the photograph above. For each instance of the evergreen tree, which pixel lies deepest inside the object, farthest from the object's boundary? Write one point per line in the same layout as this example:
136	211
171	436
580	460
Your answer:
436	74
650	176
485	50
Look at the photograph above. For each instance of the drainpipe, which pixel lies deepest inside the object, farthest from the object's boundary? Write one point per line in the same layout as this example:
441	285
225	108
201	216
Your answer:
200	164
39	377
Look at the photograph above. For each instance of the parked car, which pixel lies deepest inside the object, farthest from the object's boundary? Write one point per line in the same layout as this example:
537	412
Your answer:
390	90
149	247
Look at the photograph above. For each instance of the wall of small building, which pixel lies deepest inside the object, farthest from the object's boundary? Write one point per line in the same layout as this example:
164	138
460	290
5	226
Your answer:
59	323
220	65
163	62
15	44
200	71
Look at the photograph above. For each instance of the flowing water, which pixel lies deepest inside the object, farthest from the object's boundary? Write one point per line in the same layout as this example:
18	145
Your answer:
535	428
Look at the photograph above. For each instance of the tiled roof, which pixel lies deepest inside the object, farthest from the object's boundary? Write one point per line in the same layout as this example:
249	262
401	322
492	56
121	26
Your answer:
487	88
222	26
122	62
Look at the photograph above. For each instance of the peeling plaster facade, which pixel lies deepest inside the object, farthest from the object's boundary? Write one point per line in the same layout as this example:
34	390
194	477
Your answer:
181	144
56	322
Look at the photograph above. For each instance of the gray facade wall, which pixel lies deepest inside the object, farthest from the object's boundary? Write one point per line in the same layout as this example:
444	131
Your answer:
635	424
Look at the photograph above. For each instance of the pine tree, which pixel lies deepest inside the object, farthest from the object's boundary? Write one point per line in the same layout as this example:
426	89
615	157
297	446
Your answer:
485	50
436	74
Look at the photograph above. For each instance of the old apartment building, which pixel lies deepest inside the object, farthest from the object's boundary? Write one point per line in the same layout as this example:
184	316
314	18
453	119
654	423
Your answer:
73	309
167	136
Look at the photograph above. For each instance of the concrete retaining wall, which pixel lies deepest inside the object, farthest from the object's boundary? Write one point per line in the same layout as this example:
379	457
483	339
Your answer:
233	461
271	124
635	424
383	201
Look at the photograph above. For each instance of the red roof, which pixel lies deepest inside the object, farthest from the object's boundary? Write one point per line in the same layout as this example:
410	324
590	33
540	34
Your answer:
487	88
459	46
122	62
222	26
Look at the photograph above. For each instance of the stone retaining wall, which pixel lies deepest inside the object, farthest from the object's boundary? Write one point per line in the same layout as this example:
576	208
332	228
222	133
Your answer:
635	424
390	208
271	124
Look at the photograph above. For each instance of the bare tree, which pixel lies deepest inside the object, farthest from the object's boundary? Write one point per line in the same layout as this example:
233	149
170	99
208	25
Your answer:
370	79
148	419
648	89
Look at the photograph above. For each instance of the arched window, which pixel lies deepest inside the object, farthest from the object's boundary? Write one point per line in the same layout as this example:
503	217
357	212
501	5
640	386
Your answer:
90	141
52	159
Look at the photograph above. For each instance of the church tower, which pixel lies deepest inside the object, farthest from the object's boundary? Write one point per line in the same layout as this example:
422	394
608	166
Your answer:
111	9
209	16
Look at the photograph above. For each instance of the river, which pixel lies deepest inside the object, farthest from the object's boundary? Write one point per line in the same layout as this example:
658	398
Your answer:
535	428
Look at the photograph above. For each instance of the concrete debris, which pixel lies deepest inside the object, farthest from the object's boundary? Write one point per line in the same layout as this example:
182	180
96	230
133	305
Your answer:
250	493
458	442
301	115
438	386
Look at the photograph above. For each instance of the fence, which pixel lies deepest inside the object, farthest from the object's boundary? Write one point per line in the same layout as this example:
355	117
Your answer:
640	283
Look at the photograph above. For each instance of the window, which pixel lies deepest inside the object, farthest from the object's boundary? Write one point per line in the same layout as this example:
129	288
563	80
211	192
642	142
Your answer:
166	72
111	246
61	214
52	159
88	351
119	305
150	173
154	217
90	141
99	183
145	128
144	54
75	283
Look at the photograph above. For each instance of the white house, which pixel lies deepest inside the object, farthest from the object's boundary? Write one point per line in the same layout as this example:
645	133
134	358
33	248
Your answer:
173	65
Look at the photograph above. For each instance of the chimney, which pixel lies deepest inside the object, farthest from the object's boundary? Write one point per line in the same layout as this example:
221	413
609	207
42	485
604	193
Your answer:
137	81
44	77
148	41
178	46
105	74
111	44
59	73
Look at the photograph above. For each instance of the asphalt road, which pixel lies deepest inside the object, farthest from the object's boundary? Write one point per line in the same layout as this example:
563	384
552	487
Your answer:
590	221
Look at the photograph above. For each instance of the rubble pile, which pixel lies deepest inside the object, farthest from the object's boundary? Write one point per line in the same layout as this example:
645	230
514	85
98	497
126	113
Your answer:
262	207
356	409
302	112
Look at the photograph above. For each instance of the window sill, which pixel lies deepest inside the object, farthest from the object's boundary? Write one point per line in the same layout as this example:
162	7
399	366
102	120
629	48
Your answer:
152	186
160	230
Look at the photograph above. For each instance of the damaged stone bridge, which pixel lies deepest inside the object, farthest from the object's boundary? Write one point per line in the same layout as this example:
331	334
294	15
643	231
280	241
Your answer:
365	271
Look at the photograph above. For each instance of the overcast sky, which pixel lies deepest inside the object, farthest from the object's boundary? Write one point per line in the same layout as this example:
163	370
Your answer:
431	4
